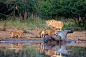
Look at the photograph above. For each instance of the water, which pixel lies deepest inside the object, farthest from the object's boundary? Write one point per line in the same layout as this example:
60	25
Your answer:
37	48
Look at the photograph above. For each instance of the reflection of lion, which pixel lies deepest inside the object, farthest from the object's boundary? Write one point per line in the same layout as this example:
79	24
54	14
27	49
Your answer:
40	46
50	52
53	53
57	55
17	47
56	24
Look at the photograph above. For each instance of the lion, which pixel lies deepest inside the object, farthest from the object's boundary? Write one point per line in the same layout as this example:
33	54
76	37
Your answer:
17	30
19	34
51	31
40	33
56	24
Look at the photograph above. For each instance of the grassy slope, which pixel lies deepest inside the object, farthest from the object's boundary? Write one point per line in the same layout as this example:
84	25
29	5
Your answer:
35	22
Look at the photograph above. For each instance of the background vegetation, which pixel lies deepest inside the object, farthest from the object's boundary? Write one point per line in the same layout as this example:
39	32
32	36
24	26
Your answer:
34	13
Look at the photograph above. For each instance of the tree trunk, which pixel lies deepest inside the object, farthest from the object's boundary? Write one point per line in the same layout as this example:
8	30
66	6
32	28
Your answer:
25	14
75	20
20	16
14	13
61	18
32	15
85	23
78	20
56	17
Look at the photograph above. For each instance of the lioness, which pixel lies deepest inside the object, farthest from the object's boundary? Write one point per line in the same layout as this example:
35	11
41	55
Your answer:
56	24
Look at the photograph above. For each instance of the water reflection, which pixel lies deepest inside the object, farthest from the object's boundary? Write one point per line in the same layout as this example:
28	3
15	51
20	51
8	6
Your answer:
60	50
16	47
40	46
39	49
57	49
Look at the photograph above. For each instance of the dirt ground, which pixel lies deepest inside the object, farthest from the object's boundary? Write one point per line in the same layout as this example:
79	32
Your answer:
76	35
6	35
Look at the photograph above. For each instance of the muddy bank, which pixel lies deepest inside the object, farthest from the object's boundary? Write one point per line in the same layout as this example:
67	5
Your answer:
6	35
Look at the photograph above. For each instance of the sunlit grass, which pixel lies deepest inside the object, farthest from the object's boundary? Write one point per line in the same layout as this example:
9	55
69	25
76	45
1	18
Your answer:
70	25
35	22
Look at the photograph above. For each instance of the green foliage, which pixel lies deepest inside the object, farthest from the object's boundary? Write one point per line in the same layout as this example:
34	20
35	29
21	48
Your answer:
71	25
66	8
24	30
49	9
72	9
18	8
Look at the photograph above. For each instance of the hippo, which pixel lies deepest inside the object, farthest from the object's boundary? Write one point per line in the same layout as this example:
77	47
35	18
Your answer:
60	36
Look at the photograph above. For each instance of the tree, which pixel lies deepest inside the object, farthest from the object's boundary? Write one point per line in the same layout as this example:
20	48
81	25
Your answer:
73	9
22	8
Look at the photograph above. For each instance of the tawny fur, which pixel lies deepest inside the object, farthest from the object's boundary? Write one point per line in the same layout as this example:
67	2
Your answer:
56	24
51	31
17	30
40	33
19	34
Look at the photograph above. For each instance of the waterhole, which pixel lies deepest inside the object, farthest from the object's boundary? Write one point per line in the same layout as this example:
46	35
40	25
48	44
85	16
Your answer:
38	48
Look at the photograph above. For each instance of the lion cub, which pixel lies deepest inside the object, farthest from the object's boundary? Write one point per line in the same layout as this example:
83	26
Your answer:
17	33
51	31
17	30
40	33
56	24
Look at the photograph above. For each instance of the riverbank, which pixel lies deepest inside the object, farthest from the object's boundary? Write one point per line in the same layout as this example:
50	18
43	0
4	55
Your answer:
6	35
